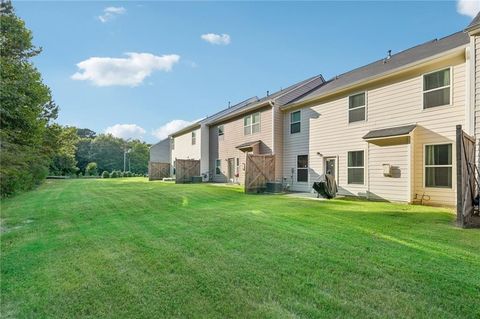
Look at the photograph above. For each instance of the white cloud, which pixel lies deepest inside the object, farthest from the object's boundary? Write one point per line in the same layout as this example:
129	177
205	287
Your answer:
213	38
126	131
468	7
130	71
165	130
111	12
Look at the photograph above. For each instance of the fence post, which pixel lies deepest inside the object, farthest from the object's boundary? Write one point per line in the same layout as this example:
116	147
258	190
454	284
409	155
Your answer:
459	151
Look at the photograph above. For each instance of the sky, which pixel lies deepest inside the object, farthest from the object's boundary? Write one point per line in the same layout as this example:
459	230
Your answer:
145	69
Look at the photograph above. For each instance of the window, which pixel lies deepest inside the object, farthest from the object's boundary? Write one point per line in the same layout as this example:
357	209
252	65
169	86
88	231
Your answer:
251	124
356	107
220	130
436	89
438	165
355	167
218	167
302	168
237	164
194	138
295	122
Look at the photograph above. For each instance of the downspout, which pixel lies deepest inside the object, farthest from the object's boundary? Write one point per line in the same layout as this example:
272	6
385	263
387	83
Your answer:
273	125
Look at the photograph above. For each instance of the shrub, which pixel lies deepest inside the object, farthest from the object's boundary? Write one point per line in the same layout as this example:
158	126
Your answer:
91	169
114	174
105	174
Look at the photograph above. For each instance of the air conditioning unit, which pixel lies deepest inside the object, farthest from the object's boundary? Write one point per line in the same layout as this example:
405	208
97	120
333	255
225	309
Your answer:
387	170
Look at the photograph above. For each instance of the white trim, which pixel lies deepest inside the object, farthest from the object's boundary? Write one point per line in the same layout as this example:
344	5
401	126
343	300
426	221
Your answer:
424	166
358	107
218	160
470	56
364	167
273	130
325	159
290	121
307	168
450	68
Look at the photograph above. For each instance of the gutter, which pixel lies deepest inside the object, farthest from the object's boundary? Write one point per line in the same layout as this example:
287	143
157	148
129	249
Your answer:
368	80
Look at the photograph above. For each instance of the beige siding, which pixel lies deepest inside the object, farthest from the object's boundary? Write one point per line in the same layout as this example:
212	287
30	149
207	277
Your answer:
224	147
393	102
183	148
278	142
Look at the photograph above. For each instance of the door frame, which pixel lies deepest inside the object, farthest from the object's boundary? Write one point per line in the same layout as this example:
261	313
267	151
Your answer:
325	159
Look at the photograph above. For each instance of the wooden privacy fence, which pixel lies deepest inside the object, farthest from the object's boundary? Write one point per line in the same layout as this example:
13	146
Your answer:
185	169
259	170
467	190
158	170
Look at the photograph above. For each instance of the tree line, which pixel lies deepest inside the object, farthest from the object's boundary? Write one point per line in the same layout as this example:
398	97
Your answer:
32	145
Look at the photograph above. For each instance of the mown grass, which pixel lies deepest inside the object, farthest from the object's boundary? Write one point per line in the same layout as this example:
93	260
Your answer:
129	248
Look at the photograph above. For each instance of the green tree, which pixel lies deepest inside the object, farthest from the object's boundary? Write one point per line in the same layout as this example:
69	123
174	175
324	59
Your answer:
138	156
26	108
91	169
63	145
83	155
107	152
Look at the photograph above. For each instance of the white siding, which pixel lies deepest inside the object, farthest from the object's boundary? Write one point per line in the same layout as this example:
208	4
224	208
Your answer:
394	102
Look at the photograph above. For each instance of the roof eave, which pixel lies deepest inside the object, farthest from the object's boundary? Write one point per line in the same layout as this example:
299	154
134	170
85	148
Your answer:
443	55
186	129
240	112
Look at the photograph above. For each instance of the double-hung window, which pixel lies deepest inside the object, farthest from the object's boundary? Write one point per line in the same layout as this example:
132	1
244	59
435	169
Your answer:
356	168
251	124
218	167
436	88
295	122
194	138
438	165
302	168
357	106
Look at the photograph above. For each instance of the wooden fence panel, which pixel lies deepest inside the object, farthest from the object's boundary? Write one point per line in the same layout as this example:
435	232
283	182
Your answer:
259	170
158	170
185	169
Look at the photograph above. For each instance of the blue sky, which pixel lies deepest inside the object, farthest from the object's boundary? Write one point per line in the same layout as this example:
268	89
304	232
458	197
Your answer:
174	75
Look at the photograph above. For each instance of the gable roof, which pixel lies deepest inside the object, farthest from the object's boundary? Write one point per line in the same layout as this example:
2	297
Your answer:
474	24
279	98
385	66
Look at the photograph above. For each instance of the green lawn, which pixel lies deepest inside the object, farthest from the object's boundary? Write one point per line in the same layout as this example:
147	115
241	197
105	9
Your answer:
131	248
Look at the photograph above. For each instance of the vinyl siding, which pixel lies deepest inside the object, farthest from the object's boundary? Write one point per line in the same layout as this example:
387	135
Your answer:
224	147
160	152
476	55
396	101
183	148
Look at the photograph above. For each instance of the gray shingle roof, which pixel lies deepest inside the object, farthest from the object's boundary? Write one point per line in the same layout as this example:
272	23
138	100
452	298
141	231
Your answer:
475	22
381	67
280	98
390	132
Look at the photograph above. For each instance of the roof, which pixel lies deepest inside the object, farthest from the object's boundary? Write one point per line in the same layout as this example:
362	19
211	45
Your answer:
280	98
386	66
390	132
247	145
475	23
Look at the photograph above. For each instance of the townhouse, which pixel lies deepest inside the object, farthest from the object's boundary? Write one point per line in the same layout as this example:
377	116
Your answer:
386	130
255	128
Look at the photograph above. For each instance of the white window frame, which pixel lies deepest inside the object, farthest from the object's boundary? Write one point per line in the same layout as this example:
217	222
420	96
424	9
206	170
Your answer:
250	126
194	138
299	121
218	165
358	107
218	130
425	165
237	166
450	103
364	167
305	168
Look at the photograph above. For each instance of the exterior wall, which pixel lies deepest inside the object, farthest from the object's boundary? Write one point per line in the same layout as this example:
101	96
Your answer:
160	152
224	147
277	137
182	147
396	101
476	90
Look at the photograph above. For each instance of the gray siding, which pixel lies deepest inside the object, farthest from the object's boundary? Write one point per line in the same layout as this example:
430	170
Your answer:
160	152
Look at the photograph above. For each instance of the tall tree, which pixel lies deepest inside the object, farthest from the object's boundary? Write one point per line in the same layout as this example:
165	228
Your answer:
138	156
26	107
107	152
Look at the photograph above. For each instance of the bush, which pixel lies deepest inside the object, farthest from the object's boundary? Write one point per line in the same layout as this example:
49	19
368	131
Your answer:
91	169
105	174
114	174
129	174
